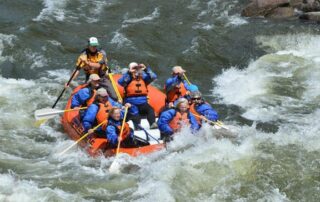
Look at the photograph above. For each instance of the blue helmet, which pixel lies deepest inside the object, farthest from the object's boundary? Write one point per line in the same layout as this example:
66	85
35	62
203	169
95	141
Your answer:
193	88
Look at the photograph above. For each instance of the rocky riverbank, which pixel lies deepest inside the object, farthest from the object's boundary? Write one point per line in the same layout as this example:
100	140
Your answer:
303	9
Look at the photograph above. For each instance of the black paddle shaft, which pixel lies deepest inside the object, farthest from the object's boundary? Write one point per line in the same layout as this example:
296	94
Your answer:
147	134
64	89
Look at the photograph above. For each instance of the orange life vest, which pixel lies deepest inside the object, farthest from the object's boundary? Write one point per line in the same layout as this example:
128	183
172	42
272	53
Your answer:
176	92
103	114
178	121
93	93
126	130
194	111
137	87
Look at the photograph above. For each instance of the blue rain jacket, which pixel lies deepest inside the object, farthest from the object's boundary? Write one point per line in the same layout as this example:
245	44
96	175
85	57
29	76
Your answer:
89	118
206	110
81	97
148	76
112	131
167	116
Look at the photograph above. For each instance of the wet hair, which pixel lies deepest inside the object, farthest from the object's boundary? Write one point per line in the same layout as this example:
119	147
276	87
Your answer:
113	109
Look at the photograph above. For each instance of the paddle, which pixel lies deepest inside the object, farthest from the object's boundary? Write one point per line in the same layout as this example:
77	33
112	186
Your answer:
148	134
43	120
64	89
114	85
217	123
84	136
114	167
48	113
186	78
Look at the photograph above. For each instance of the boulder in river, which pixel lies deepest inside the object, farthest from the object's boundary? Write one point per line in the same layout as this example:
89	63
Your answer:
281	12
263	7
306	5
310	5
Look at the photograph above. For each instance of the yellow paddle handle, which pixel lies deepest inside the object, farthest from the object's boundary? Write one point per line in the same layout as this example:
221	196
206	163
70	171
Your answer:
121	131
84	136
186	78
114	85
218	123
69	110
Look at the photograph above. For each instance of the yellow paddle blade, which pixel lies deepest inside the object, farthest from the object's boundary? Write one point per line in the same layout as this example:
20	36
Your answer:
38	123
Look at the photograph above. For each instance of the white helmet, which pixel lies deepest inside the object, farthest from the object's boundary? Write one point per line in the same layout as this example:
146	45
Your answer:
93	41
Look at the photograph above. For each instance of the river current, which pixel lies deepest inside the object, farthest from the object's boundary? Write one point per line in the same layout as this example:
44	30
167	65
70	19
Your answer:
261	75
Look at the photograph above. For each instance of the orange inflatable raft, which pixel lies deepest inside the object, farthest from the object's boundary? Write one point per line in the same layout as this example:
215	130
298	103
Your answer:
72	126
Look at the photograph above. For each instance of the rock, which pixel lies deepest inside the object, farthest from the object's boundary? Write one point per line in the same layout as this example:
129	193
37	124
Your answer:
283	9
315	16
306	5
262	7
310	5
251	10
281	12
271	3
296	3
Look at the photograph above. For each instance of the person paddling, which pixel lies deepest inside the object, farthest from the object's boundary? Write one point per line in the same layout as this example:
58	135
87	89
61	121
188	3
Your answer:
114	127
92	60
201	109
176	87
85	94
98	111
172	120
135	83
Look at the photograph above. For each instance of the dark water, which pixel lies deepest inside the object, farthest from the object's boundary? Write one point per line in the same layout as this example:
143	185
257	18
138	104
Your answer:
261	75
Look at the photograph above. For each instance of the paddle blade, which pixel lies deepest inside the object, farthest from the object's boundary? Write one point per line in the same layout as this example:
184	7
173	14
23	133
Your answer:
115	167
46	113
222	125
38	123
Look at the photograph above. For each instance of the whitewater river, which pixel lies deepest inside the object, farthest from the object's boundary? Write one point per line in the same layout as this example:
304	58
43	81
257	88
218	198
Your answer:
263	77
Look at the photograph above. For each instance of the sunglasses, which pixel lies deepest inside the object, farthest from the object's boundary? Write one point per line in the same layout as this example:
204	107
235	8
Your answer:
196	98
